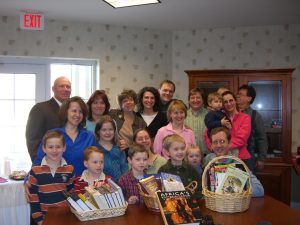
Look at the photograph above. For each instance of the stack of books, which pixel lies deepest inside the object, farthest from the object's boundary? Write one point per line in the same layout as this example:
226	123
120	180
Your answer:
226	178
107	196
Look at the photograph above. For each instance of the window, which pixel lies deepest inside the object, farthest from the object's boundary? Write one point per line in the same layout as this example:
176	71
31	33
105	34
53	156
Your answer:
24	84
81	77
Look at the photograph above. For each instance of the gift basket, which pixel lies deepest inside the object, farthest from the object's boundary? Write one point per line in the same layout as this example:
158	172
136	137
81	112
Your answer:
103	200
226	202
147	191
149	200
153	185
99	213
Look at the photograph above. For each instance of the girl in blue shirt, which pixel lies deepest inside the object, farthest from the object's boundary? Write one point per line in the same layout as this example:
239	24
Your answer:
115	163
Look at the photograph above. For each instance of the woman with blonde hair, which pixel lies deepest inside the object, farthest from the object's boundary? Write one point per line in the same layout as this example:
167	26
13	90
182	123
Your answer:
176	115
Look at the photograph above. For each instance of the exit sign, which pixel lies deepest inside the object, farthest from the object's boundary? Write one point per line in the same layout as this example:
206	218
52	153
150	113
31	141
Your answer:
31	21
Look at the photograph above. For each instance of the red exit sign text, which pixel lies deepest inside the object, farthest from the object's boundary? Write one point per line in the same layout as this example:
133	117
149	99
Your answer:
32	21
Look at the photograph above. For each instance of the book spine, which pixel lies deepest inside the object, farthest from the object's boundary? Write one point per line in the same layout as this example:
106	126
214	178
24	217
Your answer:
80	203
71	202
212	179
94	196
104	198
87	202
119	190
74	205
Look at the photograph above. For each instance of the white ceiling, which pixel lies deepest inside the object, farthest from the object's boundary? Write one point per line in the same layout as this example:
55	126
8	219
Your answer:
168	15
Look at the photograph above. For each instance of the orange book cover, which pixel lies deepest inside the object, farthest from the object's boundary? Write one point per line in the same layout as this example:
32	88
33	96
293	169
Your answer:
177	207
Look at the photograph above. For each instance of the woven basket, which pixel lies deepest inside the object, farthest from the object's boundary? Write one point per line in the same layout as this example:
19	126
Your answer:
100	213
150	201
226	203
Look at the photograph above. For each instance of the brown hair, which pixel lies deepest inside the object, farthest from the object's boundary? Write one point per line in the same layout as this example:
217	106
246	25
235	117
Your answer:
53	134
97	94
167	82
154	91
127	94
229	93
135	148
168	140
105	119
195	91
89	150
218	130
138	131
63	111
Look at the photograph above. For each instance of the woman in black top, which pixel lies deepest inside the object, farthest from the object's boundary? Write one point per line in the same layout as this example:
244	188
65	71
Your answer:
148	108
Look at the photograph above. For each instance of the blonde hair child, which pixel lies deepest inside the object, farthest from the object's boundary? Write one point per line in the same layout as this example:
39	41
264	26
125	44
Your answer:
216	117
194	157
175	147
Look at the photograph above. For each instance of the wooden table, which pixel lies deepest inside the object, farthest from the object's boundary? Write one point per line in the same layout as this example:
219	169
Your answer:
261	209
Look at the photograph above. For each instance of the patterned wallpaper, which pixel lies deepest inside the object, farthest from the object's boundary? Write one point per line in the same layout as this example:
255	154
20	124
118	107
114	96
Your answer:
133	57
240	48
129	57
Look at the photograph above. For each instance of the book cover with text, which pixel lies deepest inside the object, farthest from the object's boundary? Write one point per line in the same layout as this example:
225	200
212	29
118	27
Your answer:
177	207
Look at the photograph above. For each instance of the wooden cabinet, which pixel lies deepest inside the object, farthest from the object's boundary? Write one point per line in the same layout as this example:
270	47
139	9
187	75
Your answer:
273	102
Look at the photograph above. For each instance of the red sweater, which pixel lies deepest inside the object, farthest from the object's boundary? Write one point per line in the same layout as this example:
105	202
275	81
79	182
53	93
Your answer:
80	184
240	131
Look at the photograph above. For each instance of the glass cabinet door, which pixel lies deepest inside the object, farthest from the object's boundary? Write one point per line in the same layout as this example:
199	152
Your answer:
273	103
268	103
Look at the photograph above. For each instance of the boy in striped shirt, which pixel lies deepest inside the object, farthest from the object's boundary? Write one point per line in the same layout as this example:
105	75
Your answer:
49	179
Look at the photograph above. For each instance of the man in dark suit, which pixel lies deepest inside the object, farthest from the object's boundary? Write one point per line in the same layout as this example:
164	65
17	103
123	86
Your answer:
44	115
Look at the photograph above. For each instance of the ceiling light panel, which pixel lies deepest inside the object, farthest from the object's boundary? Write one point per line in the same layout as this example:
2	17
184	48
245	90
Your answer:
126	3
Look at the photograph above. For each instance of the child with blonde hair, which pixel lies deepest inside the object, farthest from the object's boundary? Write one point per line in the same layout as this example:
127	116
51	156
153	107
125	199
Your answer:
175	147
194	157
216	117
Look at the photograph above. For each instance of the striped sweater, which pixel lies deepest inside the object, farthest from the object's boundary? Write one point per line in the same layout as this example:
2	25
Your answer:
46	189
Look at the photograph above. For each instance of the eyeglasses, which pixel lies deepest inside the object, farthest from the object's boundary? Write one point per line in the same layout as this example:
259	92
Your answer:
221	142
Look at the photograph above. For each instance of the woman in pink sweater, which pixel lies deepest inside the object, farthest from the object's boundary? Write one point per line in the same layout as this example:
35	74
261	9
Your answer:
176	114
